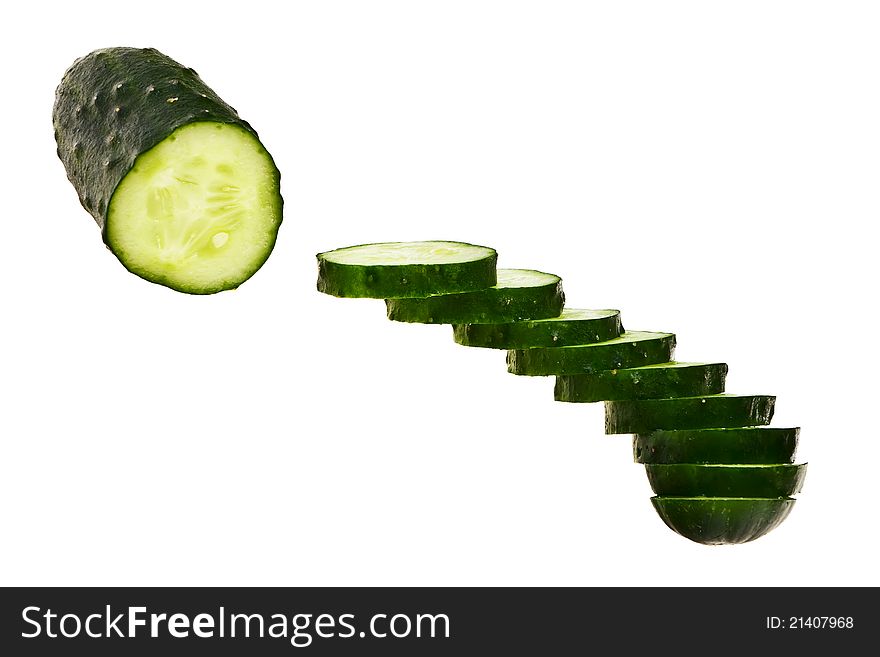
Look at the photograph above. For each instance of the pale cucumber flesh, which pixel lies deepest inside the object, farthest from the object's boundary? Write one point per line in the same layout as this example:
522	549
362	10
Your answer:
408	253
198	212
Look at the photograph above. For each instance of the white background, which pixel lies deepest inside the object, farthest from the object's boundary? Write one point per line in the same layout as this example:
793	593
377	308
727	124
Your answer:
709	168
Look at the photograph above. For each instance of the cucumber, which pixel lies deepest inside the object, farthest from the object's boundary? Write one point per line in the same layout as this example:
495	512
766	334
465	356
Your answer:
571	327
707	411
519	294
722	520
632	349
700	480
406	269
648	382
740	445
719	476
185	194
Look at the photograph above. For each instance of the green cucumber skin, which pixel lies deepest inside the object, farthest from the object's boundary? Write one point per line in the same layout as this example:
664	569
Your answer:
404	281
712	411
644	383
722	521
491	305
587	359
528	334
746	445
114	104
699	480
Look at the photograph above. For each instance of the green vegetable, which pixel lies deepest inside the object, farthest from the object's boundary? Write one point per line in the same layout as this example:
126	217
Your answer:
184	192
570	328
519	294
722	520
737	445
648	382
406	269
709	411
701	480
719	476
632	349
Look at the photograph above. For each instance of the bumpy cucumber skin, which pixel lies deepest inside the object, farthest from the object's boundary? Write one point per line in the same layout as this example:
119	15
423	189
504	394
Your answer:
643	383
722	521
586	359
746	445
537	333
492	305
711	411
404	281
700	480
116	103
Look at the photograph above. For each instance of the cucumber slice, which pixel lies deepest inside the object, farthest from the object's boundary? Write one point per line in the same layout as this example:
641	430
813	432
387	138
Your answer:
738	445
722	520
519	294
708	411
571	327
632	349
406	269
648	382
698	480
183	190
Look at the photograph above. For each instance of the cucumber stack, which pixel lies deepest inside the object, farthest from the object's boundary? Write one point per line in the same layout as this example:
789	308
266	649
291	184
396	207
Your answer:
720	475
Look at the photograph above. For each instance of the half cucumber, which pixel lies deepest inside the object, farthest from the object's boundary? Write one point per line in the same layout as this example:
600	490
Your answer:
183	190
701	480
648	382
709	411
733	445
519	294
632	349
406	269
572	327
722	520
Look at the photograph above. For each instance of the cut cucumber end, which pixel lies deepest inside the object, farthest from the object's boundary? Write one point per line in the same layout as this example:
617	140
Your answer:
722	520
199	212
